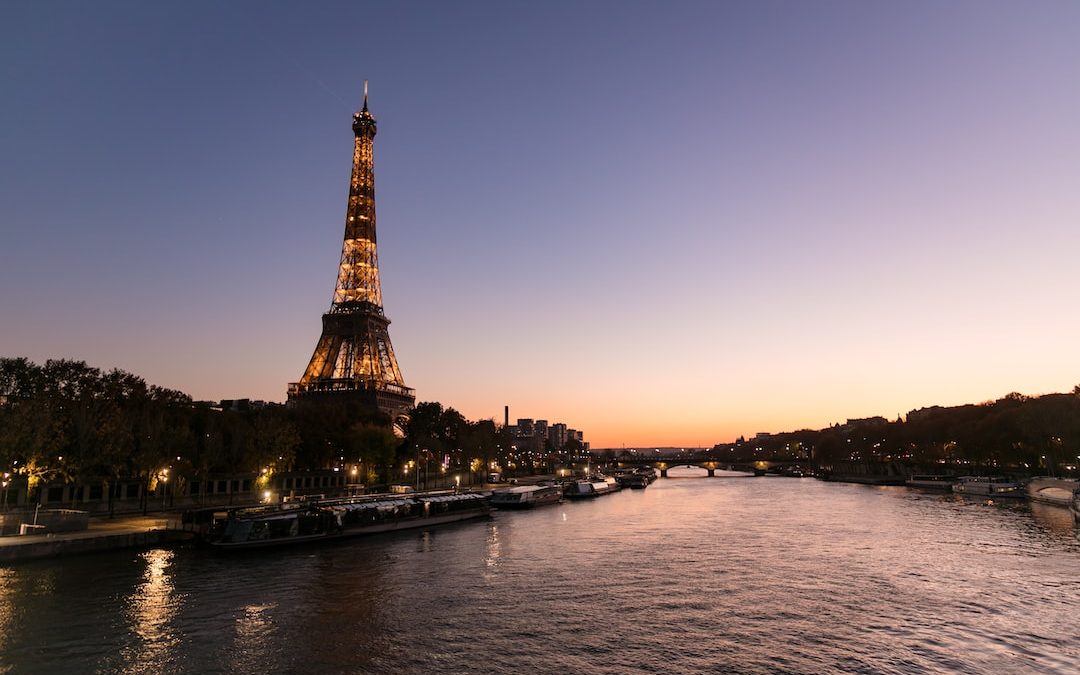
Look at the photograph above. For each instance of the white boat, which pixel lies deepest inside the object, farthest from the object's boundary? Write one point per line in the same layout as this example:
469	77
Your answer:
592	487
527	496
988	486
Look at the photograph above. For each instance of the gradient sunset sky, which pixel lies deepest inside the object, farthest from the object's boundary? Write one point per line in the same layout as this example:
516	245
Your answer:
661	223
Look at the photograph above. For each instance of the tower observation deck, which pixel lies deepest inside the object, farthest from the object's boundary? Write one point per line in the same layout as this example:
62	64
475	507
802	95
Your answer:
354	356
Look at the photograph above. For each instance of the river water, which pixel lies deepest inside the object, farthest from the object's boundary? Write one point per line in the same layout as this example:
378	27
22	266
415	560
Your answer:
692	575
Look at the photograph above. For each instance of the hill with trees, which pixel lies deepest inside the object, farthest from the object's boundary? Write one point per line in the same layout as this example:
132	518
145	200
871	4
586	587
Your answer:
1023	434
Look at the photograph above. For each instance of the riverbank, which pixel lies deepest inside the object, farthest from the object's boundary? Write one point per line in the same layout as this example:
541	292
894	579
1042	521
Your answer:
102	534
134	531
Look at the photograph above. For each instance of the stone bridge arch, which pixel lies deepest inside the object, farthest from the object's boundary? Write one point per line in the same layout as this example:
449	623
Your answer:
711	465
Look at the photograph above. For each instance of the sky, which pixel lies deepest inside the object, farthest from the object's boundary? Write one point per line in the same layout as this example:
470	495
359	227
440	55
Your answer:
661	223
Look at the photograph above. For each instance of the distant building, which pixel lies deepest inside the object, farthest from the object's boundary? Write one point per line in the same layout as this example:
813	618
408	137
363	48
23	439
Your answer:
923	414
242	404
557	436
541	431
865	423
538	436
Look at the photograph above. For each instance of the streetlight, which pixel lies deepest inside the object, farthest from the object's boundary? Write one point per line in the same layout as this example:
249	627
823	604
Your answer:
417	466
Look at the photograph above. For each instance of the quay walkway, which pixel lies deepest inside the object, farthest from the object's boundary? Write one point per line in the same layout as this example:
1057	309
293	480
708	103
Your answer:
102	534
128	531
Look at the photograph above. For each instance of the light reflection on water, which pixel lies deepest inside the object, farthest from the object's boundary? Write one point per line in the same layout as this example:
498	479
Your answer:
692	575
1056	519
151	607
493	546
253	638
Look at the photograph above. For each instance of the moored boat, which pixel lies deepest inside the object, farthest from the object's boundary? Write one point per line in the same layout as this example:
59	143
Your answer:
591	487
988	486
318	520
648	472
527	496
637	479
931	481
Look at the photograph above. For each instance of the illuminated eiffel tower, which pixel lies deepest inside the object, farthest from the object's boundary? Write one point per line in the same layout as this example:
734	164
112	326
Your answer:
354	357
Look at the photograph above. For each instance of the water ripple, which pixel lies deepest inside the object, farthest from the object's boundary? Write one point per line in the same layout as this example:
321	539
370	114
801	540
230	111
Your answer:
689	576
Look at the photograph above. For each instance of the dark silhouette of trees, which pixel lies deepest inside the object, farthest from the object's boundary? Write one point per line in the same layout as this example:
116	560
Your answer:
374	448
1015	433
65	421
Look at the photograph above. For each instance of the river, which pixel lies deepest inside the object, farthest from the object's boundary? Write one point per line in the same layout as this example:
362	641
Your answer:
692	575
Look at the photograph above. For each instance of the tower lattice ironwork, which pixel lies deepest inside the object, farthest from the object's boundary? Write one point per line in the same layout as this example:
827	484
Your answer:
354	355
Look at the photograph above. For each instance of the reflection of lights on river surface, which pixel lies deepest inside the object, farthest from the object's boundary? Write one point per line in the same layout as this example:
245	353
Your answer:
151	609
494	547
254	628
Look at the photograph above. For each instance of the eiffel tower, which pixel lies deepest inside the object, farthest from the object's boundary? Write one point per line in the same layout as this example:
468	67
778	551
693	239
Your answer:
354	357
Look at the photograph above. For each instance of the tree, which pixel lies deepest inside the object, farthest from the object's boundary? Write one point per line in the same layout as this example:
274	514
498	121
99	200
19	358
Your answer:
481	441
20	385
275	440
325	427
374	447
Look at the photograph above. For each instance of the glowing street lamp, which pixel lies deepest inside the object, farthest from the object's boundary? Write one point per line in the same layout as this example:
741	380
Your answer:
164	479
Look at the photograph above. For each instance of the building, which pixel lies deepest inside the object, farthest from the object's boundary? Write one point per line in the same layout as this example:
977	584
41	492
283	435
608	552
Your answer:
557	436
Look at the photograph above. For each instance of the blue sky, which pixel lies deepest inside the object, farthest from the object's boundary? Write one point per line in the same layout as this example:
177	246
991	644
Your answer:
664	223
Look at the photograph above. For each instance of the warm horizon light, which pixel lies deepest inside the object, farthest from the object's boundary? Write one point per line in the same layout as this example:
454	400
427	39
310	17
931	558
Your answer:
663	225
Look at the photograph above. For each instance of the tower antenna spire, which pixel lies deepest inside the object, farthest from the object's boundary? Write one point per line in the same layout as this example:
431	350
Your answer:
365	95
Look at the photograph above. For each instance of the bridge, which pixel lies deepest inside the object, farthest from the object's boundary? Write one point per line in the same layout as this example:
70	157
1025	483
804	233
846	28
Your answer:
1053	490
711	464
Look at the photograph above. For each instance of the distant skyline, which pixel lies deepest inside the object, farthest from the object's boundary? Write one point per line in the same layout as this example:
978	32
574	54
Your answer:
664	224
